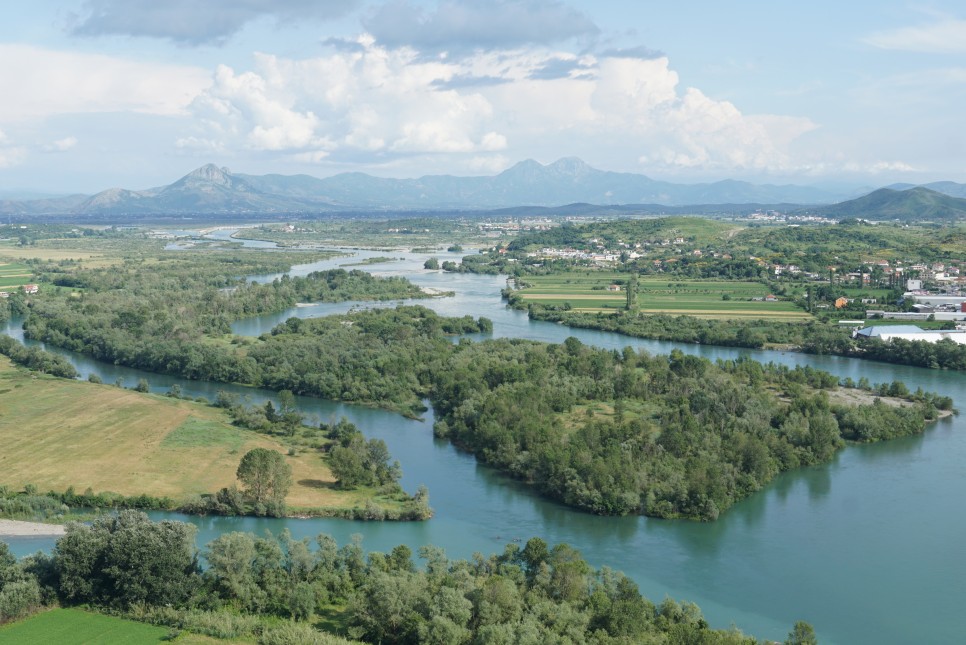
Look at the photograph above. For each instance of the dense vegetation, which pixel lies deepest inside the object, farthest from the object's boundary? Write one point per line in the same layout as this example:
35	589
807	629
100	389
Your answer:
271	588
671	436
687	329
943	354
379	356
813	337
608	432
169	316
356	461
36	358
668	436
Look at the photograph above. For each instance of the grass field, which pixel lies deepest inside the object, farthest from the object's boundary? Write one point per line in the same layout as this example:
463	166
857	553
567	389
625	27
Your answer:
702	298
76	627
58	433
90	258
13	275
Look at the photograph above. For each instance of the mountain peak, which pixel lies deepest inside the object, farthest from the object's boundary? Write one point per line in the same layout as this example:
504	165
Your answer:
211	173
570	166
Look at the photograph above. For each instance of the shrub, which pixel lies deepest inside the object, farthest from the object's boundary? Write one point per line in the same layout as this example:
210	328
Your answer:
19	599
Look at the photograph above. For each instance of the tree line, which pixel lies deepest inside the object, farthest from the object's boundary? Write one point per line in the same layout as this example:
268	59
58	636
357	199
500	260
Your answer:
273	588
164	316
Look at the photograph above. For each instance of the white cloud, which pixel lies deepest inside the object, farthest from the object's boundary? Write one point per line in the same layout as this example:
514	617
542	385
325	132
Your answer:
61	145
878	167
10	155
488	164
946	36
376	102
375	105
40	82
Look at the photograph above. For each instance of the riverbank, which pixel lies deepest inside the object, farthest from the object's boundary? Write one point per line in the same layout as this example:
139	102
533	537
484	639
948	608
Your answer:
812	337
18	528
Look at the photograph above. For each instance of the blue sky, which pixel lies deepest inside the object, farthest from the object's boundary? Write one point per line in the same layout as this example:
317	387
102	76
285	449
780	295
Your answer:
136	93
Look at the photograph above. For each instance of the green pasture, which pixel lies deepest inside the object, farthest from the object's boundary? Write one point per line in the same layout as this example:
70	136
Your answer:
76	627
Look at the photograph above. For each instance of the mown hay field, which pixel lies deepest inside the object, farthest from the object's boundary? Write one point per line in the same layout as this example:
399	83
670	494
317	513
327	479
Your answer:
58	433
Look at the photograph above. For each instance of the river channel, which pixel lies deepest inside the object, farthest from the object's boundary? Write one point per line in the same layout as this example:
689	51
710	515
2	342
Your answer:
869	548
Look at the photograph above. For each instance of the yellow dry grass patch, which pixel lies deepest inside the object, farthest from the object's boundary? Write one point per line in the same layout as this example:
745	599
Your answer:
89	258
58	433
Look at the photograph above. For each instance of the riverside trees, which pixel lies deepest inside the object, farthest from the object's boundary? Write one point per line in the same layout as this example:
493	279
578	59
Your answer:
262	586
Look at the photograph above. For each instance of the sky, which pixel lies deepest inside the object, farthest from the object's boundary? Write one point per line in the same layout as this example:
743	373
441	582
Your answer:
136	93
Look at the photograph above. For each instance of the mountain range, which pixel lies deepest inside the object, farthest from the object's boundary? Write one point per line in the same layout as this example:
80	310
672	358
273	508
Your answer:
211	189
214	190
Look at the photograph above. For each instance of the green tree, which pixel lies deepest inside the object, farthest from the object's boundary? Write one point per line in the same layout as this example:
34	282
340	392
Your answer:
348	467
266	476
631	287
431	263
127	559
801	634
19	599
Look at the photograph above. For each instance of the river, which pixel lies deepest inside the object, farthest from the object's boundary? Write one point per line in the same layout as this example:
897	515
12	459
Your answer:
867	548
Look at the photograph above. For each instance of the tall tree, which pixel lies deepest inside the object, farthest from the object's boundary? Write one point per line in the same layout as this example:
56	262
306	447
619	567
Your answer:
266	476
631	293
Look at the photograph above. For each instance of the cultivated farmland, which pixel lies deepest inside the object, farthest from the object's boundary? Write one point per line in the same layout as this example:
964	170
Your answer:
59	433
589	291
13	275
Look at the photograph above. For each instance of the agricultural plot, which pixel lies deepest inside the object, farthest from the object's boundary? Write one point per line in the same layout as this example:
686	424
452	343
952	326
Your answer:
703	298
58	433
13	275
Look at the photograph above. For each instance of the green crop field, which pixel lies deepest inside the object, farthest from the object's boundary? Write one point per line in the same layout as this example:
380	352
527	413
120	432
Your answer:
76	627
13	275
704	298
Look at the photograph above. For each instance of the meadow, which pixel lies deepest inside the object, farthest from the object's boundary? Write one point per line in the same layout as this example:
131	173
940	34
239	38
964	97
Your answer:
587	291
59	433
74	626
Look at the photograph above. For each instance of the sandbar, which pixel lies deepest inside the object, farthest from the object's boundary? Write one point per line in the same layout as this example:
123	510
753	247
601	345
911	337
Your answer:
16	528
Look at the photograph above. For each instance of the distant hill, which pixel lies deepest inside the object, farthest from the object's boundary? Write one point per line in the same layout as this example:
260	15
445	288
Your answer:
910	205
211	189
950	188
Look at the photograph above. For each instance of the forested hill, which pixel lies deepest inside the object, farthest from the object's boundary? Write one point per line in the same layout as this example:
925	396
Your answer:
913	205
